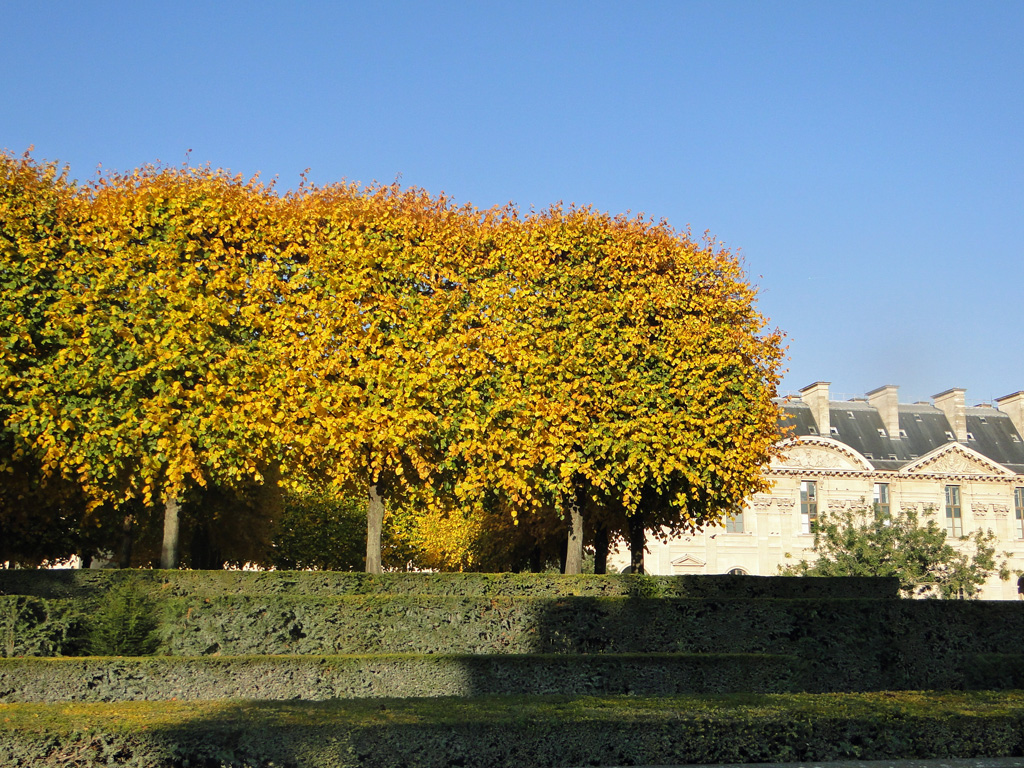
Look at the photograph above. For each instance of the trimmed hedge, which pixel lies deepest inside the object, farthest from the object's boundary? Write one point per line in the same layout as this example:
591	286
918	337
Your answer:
839	644
316	678
537	731
89	584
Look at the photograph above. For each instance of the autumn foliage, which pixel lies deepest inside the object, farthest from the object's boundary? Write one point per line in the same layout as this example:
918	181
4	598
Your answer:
485	376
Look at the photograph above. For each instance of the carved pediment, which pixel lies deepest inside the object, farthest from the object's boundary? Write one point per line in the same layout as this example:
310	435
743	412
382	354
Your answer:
819	453
955	459
688	561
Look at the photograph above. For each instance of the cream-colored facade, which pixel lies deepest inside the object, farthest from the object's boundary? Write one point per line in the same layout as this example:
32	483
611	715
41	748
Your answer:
965	463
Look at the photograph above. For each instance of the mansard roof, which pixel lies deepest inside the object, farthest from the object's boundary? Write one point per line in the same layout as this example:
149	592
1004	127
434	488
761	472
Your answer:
923	430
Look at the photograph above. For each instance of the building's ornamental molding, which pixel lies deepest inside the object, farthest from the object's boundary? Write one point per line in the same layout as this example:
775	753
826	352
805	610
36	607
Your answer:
986	511
688	561
818	453
959	460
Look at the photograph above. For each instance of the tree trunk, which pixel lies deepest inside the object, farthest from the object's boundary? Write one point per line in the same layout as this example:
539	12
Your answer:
637	541
374	526
203	555
574	546
536	563
601	545
170	554
124	555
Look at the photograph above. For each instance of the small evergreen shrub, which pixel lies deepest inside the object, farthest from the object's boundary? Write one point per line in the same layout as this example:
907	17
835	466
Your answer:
123	624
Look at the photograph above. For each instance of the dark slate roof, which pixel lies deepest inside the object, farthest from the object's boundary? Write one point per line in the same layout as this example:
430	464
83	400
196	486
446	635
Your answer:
995	436
797	416
861	427
923	428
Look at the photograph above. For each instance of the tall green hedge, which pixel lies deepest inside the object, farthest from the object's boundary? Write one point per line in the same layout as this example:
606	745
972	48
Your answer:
316	678
839	645
90	583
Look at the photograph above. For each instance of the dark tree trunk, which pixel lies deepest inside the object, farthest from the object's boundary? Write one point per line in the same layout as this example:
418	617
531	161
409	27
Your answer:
574	545
204	556
536	563
374	528
124	555
637	541
601	546
171	552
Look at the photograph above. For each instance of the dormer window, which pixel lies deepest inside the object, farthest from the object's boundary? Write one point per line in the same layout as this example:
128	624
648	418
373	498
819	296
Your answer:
903	433
833	430
970	435
950	435
881	433
849	414
892	457
812	430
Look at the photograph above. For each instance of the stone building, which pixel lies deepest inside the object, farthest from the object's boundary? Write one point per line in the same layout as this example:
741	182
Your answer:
965	463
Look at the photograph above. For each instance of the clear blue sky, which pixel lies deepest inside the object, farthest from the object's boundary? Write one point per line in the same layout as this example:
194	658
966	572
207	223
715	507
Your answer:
866	158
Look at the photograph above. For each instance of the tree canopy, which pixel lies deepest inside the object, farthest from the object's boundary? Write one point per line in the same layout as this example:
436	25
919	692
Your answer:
623	366
181	334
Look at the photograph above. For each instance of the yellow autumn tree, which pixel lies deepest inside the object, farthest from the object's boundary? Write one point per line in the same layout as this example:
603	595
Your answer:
40	516
161	381
621	367
375	362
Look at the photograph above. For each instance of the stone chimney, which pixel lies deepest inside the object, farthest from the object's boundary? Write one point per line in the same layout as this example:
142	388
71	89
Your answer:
816	396
886	401
1013	406
952	403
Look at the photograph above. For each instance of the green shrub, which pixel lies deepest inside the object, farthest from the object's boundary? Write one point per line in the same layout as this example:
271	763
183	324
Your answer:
33	626
124	623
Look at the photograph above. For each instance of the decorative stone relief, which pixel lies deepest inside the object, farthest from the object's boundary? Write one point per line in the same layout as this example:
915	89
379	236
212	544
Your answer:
761	502
983	511
957	464
836	505
809	457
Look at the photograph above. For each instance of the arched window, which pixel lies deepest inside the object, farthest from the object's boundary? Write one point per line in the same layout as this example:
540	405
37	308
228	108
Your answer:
737	572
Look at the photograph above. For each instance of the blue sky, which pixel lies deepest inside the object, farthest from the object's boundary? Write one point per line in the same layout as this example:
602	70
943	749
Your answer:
865	158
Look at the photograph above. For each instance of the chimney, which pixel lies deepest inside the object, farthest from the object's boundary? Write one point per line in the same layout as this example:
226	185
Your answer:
886	401
1013	406
952	403
816	396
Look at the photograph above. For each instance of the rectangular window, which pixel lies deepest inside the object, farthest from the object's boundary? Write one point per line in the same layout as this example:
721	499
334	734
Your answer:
1018	508
808	506
734	522
881	500
954	526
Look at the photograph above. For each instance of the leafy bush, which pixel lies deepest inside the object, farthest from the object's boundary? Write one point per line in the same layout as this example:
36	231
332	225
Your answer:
862	543
123	624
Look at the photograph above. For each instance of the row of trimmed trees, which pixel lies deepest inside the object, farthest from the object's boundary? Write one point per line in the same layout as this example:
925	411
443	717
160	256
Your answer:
175	336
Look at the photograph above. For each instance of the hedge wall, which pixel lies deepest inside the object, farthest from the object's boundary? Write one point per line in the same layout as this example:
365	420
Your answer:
838	644
92	583
552	731
317	678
